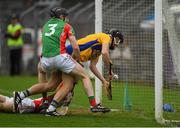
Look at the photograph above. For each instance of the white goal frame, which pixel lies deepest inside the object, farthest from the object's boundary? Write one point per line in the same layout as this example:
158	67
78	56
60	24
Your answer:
158	76
98	28
158	73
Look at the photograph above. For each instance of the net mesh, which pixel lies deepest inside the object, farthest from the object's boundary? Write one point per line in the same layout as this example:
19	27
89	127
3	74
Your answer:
171	61
134	60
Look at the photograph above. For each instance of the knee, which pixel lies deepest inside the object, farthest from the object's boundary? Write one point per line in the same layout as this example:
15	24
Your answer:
85	76
48	87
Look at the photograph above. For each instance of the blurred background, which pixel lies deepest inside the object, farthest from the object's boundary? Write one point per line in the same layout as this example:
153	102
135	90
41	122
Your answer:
135	18
32	15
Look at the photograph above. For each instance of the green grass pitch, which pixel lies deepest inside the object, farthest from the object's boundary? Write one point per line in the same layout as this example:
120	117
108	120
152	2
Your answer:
78	115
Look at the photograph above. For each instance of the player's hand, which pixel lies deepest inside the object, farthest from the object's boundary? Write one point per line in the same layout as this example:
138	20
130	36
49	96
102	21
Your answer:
110	62
111	76
105	84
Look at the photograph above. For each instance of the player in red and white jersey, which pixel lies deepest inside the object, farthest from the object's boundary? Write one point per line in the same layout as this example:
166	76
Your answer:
27	106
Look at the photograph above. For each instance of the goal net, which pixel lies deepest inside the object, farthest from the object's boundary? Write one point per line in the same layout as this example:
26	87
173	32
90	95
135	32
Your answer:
134	61
171	58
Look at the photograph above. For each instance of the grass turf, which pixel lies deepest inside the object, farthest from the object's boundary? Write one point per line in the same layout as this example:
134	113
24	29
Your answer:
78	115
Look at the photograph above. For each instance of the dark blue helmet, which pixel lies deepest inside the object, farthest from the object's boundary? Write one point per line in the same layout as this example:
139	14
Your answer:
117	37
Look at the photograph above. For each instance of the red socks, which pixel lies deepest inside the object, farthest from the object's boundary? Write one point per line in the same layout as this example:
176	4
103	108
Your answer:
92	100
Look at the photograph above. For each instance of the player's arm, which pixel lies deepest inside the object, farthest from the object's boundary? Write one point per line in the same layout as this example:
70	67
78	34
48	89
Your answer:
94	69
14	36
96	72
106	57
105	40
105	54
72	39
76	51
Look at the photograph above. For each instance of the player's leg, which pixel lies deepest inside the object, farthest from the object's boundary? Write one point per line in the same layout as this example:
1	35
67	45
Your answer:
79	71
42	87
64	104
55	79
76	70
42	106
68	65
53	82
38	88
42	78
21	95
60	94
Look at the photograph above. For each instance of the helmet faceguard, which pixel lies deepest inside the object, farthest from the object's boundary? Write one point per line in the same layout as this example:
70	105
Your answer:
117	38
57	12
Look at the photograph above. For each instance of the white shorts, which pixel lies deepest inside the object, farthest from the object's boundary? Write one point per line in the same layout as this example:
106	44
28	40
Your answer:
62	62
27	106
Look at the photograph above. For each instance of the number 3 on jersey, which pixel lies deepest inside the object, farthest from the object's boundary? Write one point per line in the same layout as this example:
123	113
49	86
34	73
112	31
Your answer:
51	28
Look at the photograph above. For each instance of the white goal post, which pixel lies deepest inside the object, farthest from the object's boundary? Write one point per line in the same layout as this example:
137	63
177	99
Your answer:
98	28
158	63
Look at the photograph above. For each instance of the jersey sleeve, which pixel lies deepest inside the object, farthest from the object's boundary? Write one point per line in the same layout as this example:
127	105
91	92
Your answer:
68	29
104	38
